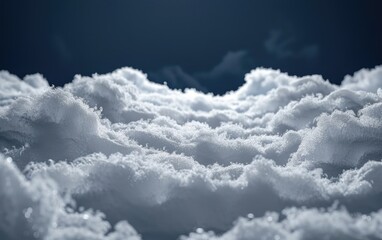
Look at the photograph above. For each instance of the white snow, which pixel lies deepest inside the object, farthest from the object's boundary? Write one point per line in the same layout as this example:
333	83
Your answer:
299	156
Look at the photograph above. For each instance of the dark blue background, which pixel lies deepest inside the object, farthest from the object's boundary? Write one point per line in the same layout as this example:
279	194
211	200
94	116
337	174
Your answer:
184	42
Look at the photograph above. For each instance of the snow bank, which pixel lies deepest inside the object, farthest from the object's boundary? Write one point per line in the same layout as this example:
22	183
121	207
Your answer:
281	148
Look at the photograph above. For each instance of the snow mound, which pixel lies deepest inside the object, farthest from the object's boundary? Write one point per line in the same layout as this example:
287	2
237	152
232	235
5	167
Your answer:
282	157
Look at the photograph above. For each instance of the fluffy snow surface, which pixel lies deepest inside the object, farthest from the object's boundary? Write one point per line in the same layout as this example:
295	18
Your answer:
116	156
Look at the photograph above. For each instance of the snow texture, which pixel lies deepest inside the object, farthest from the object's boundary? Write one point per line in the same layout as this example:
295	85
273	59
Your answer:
116	156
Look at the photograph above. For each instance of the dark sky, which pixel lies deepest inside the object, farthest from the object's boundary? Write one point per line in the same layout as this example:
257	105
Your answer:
207	44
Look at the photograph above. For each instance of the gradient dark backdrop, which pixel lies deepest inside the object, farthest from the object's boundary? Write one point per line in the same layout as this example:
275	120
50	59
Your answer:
184	42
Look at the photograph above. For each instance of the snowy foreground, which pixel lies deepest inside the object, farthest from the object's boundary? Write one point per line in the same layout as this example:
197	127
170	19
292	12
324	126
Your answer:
116	156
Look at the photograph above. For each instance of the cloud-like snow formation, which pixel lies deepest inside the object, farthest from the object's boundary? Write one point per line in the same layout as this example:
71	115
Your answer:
34	209
282	157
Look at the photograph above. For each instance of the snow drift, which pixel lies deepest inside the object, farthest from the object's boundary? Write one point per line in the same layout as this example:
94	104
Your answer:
116	156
